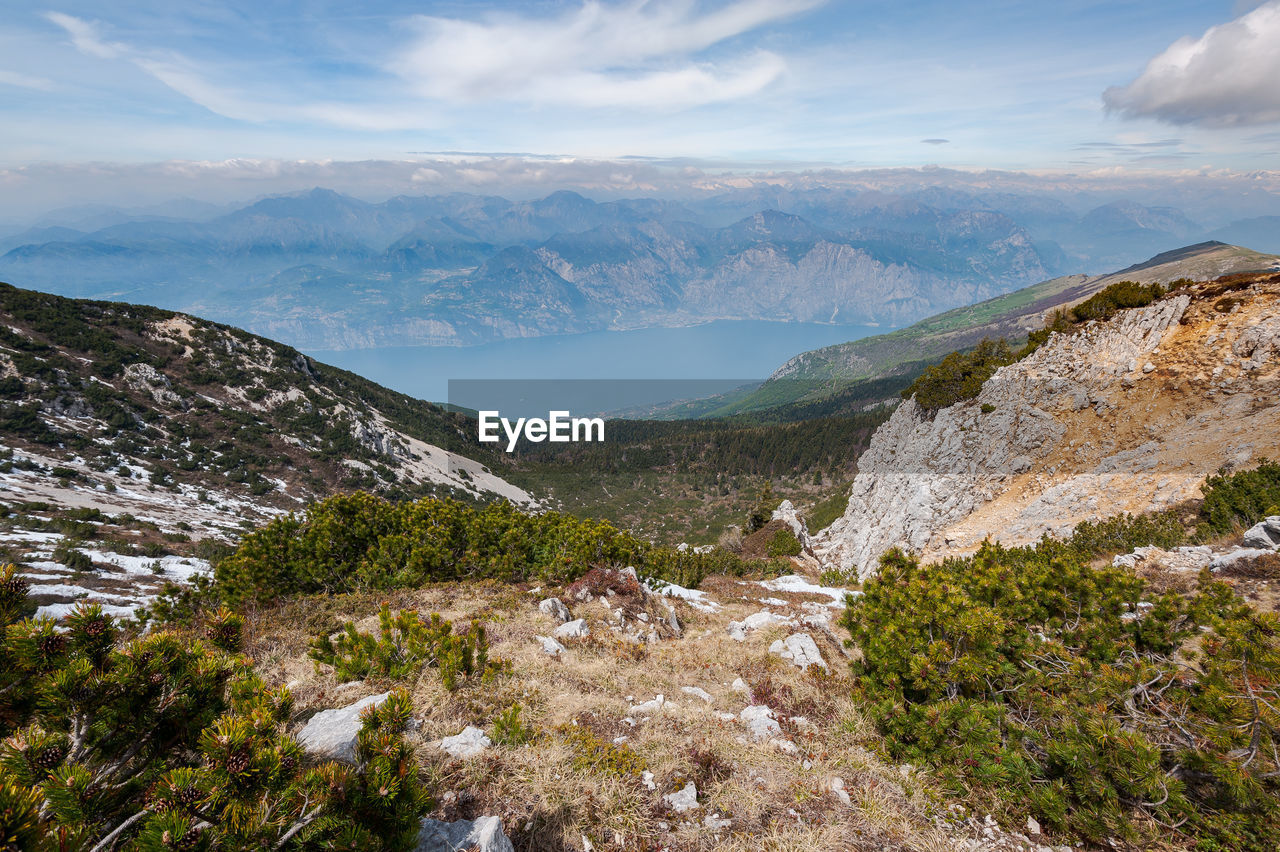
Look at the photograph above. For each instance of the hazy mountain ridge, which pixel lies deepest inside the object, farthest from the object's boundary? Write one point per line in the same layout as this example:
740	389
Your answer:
327	271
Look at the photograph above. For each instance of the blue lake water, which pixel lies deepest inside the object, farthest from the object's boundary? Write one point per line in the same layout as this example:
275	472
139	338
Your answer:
615	369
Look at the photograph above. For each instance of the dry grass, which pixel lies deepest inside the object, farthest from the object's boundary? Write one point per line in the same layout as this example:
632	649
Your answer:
571	782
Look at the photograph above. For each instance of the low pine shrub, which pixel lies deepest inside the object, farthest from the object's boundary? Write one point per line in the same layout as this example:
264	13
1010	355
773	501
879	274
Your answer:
1239	500
783	543
404	646
357	541
163	743
959	376
1033	684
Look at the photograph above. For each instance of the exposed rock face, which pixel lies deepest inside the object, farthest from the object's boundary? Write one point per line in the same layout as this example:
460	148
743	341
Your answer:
331	734
1079	430
787	513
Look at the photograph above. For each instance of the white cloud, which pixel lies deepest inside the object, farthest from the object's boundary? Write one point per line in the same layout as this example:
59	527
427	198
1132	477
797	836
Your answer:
84	35
635	54
25	81
1226	77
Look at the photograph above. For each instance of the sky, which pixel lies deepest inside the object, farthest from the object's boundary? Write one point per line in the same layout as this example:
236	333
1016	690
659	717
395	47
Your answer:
248	90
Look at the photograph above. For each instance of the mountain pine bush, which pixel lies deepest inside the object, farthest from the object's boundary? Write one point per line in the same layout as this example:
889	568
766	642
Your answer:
959	376
164	743
1033	684
358	541
406	644
1241	499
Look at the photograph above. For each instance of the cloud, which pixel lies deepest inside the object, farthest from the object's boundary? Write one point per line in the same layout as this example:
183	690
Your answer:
84	35
635	54
1225	78
25	81
935	141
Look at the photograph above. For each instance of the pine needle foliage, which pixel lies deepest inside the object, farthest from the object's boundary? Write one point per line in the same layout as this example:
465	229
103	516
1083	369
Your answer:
356	542
405	645
959	376
1033	684
165	743
1241	499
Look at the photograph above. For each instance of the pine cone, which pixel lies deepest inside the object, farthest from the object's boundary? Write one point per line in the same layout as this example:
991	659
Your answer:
238	762
50	757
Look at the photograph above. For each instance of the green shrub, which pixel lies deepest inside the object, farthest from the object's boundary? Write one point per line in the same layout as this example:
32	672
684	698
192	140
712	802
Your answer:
1033	684
75	560
959	376
405	644
1124	533
783	543
509	728
1116	297
1241	499
358	541
162	742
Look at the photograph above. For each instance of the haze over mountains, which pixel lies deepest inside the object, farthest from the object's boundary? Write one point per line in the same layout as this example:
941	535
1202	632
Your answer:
328	271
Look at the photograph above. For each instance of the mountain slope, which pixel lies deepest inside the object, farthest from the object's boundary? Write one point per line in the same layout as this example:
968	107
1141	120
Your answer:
115	393
1124	415
816	374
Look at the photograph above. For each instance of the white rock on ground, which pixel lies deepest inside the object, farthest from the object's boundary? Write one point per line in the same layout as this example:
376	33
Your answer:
1264	535
470	742
550	646
555	608
576	629
740	685
800	649
697	692
685	799
654	706
484	834
761	722
331	734
836	786
1230	558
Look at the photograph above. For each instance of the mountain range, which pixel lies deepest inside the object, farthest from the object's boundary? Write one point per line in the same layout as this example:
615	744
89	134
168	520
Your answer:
326	271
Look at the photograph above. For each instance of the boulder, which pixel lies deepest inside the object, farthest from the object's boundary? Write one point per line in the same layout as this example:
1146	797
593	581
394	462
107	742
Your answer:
484	834
576	629
550	646
470	742
800	649
555	608
1228	560
331	734
1264	535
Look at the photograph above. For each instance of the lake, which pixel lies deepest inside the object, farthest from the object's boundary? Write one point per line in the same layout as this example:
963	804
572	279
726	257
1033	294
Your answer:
596	371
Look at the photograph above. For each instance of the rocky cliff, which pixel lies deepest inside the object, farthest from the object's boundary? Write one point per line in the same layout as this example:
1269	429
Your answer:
1125	415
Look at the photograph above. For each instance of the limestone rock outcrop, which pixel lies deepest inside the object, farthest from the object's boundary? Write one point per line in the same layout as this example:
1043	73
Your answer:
1124	415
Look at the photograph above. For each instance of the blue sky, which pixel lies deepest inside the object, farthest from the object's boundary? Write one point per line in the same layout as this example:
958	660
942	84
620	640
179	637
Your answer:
1069	85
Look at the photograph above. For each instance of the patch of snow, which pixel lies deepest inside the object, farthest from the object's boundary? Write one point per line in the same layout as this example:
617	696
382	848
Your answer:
693	597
